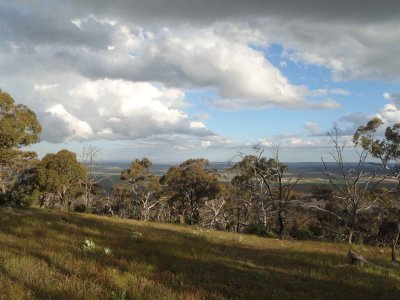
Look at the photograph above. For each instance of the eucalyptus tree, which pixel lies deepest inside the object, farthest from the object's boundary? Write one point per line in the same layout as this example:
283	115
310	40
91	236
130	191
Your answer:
386	149
60	177
18	127
144	188
269	191
189	186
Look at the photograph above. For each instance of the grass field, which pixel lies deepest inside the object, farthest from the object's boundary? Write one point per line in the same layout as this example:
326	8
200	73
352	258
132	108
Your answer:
42	255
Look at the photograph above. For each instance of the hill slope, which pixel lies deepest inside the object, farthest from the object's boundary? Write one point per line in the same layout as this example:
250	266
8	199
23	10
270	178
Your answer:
42	255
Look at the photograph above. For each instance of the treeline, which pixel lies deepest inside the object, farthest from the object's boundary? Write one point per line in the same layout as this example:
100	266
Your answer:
259	199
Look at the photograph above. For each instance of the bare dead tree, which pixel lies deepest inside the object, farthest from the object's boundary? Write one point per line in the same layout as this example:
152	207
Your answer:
88	158
213	212
352	184
150	197
284	188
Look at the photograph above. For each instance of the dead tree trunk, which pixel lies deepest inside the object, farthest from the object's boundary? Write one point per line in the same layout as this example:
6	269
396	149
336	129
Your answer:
356	259
395	243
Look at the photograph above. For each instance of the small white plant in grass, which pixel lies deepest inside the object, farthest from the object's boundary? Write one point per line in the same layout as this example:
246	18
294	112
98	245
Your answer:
136	235
89	246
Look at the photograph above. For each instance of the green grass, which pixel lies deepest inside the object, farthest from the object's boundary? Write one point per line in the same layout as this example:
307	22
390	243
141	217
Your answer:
42	256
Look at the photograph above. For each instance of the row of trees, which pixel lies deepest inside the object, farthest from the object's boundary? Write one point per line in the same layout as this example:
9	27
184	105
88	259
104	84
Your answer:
260	198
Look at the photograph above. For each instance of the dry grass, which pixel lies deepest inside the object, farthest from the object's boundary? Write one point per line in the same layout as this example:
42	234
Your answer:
42	256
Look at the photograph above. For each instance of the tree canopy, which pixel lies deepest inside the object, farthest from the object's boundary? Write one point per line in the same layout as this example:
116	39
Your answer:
191	183
60	174
18	124
18	127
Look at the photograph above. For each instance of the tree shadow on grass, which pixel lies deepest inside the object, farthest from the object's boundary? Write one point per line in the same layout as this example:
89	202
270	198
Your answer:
194	264
261	274
185	262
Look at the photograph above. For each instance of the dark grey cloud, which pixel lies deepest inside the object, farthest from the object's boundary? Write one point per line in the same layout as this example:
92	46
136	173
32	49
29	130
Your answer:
216	10
36	29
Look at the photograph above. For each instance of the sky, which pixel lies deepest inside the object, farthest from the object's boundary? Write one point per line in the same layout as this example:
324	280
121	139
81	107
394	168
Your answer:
180	79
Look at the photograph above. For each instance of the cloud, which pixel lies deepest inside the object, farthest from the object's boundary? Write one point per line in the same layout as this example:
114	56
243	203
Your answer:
389	114
60	125
204	12
352	50
394	98
203	58
339	91
312	127
353	41
98	46
120	69
295	141
117	109
44	86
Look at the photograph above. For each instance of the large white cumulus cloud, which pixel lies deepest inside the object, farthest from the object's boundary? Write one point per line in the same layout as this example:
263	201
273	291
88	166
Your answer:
117	109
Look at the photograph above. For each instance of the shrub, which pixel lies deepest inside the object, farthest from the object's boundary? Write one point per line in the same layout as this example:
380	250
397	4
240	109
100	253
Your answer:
80	208
301	233
259	229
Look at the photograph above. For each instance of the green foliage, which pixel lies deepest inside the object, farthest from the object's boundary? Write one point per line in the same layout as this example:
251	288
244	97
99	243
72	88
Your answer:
60	175
386	149
252	166
140	193
18	127
80	208
260	230
262	194
18	124
138	171
189	186
301	233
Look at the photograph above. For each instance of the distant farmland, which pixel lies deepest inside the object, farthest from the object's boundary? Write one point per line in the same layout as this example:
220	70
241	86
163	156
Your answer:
311	173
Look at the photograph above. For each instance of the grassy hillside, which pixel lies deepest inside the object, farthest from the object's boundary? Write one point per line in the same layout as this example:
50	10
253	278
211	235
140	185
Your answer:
42	256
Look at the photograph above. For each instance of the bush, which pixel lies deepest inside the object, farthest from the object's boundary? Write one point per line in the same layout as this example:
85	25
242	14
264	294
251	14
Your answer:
23	201
3	199
259	229
190	221
27	201
301	233
80	208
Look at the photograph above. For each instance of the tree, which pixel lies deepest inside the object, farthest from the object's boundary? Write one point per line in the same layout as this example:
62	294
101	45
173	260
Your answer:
22	192
189	185
18	127
352	185
387	150
244	191
91	183
60	177
214	213
271	193
144	187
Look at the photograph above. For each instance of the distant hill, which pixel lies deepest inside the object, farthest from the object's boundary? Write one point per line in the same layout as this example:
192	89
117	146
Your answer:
310	172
